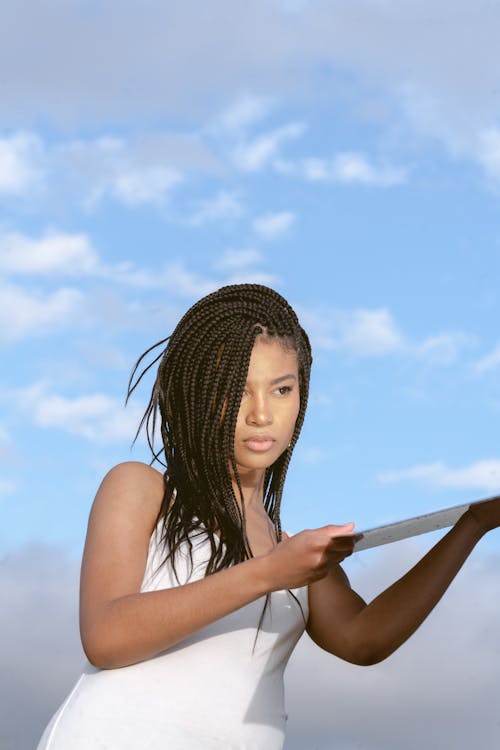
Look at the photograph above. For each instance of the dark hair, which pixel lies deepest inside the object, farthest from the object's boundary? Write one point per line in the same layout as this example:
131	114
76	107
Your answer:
196	398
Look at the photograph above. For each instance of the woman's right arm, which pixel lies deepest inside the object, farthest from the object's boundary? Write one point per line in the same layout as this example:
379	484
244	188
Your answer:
120	625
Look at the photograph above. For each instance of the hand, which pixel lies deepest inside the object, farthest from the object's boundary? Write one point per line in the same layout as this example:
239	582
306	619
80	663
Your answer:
308	556
486	514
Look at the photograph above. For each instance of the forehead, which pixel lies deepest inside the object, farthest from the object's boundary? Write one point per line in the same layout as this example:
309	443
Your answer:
271	359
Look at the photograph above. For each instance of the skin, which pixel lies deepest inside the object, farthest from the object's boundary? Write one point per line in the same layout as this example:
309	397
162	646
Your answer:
120	625
269	408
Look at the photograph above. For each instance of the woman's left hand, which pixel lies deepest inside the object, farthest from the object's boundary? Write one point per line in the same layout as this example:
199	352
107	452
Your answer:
486	514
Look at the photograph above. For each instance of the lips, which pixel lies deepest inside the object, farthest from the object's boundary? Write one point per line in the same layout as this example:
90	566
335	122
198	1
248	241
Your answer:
259	443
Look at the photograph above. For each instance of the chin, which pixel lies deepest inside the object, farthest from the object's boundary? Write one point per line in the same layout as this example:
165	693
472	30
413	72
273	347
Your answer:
259	462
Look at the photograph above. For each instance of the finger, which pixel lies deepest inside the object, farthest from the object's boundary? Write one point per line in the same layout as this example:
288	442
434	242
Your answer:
342	542
343	530
337	557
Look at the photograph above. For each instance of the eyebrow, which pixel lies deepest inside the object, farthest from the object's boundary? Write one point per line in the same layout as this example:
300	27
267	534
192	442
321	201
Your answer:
275	381
290	376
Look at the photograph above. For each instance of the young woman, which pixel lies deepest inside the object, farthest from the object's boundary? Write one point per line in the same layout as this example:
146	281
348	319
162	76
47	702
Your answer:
192	598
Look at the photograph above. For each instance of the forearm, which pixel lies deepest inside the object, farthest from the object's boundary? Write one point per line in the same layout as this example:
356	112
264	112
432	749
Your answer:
389	620
135	627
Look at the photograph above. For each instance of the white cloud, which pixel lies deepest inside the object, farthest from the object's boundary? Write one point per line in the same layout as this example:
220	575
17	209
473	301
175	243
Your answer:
53	253
135	171
26	313
40	584
225	205
183	283
103	355
483	475
96	417
443	348
404	702
127	273
59	254
8	455
347	168
293	6
433	89
488	152
149	185
272	225
374	332
489	362
187	284
312	455
315	169
255	155
237	259
20	157
245	111
354	168
7	487
5	437
56	253
174	277
362	332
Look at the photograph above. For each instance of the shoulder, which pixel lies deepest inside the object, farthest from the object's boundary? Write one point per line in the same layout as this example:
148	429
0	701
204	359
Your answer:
130	488
136	472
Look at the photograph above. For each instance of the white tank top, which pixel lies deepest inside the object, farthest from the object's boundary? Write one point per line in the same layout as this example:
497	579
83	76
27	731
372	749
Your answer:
221	688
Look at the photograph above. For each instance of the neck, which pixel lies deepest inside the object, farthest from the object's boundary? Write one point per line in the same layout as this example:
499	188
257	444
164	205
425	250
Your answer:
252	485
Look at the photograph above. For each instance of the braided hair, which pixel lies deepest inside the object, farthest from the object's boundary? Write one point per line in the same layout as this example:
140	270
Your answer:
196	398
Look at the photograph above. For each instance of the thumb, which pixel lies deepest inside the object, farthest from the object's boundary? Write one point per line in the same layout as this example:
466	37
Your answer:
339	530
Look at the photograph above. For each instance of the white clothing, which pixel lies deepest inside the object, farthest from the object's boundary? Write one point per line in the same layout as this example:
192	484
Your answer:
213	691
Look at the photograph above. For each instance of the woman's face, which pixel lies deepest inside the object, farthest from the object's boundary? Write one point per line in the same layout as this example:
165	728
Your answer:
269	406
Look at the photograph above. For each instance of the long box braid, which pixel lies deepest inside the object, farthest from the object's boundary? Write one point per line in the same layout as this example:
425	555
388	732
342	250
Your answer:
196	397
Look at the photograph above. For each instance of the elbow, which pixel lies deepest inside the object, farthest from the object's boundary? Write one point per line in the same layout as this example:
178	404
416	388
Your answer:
369	653
355	645
367	658
365	653
112	649
359	653
101	651
99	662
106	659
99	657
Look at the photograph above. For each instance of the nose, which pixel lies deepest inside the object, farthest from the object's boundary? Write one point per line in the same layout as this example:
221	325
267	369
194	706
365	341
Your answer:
259	412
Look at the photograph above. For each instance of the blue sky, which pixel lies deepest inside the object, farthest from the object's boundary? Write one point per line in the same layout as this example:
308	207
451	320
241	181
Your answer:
347	154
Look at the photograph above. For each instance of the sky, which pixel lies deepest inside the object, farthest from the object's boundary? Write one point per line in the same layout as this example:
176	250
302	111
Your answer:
345	153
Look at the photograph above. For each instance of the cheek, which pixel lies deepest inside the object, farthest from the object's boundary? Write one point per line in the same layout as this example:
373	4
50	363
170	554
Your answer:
294	414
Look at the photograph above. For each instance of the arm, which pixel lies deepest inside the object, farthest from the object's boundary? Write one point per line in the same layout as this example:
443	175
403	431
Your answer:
343	624
120	625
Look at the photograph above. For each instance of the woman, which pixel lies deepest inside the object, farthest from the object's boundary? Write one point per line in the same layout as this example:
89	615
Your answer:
192	599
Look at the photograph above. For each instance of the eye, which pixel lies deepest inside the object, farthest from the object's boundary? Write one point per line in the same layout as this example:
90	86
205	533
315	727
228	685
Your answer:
283	390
